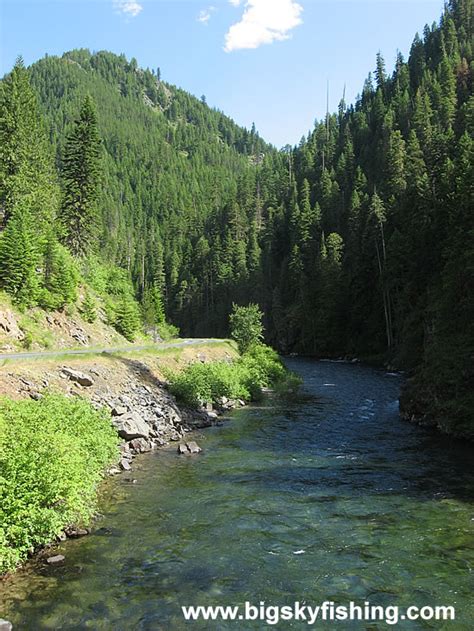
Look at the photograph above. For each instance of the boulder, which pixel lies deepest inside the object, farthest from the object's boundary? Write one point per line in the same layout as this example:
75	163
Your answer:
75	533
59	558
125	464
193	447
5	625
119	410
182	449
130	426
78	377
140	445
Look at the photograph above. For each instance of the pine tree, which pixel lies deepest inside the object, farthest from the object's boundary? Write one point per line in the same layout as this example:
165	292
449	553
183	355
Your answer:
27	176
127	318
19	258
81	173
60	277
153	311
88	308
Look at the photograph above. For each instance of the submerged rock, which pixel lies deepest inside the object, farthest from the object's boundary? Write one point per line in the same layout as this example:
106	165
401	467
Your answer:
193	447
189	448
59	558
75	533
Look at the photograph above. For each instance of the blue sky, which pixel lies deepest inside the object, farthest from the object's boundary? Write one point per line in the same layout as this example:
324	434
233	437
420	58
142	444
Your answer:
262	61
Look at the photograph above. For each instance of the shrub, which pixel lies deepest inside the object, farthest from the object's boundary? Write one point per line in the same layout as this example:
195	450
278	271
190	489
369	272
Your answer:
127	317
243	379
246	326
88	310
52	456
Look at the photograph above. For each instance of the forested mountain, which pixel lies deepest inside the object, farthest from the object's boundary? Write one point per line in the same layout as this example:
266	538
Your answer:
358	241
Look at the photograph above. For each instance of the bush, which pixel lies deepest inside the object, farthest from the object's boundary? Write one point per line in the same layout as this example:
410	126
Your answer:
60	277
88	310
246	326
52	456
127	318
243	379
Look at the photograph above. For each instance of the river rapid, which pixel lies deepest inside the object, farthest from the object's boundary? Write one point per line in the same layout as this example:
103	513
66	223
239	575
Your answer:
328	497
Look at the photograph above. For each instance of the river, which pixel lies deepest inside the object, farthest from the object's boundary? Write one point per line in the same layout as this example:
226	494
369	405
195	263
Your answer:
328	497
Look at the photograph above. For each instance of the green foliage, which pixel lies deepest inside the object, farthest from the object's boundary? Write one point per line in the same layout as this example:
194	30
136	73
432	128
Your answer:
27	177
19	258
60	276
345	241
52	456
127	317
81	178
88	309
246	326
153	310
242	379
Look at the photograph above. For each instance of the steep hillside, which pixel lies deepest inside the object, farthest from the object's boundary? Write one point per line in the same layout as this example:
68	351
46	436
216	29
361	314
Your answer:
358	241
170	165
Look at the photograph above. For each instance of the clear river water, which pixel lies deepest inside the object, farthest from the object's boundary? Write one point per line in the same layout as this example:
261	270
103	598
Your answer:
328	497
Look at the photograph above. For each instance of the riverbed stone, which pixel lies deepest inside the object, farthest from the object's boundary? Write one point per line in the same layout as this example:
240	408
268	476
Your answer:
131	426
140	445
5	625
182	449
193	447
58	558
74	533
125	464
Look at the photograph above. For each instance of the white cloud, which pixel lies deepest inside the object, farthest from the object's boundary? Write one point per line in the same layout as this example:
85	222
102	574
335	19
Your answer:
128	7
235	2
205	15
263	22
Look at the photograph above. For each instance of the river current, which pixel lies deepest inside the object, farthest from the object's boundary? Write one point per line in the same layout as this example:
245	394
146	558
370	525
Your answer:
330	497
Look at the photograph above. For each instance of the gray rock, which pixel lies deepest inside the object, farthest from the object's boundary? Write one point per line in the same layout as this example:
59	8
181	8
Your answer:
5	625
78	377
80	336
59	558
125	464
119	410
36	396
140	445
130	426
193	447
75	533
182	449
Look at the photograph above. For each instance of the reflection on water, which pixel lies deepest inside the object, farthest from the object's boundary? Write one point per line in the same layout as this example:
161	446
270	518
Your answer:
331	497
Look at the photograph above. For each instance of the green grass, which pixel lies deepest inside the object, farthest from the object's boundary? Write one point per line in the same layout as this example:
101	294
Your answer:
53	454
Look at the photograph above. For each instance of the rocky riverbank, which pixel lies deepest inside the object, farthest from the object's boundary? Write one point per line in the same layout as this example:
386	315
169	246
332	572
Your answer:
133	390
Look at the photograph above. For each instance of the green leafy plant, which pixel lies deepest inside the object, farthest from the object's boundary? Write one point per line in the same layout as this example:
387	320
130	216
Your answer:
52	456
246	326
242	379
